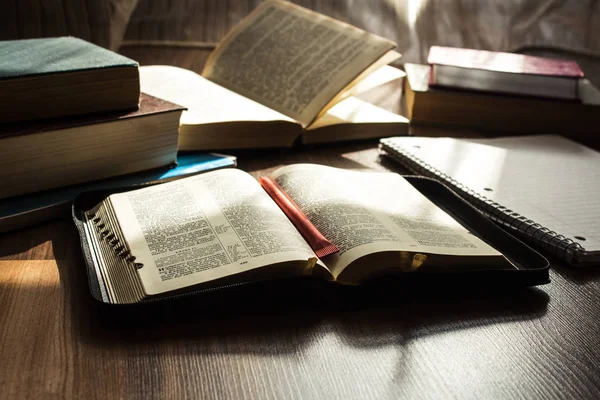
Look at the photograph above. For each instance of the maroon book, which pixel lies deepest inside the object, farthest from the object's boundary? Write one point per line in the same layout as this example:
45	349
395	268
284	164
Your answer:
503	62
38	155
503	73
148	105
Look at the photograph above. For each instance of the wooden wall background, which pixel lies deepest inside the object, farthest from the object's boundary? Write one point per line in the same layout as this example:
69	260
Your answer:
570	27
209	20
566	29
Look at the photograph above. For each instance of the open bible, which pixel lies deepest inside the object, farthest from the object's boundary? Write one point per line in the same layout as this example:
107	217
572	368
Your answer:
221	227
283	73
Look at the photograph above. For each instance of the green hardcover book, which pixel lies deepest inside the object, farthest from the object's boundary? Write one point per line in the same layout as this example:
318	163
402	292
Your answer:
44	78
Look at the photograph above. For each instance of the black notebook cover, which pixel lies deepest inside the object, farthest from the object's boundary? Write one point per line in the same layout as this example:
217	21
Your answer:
531	268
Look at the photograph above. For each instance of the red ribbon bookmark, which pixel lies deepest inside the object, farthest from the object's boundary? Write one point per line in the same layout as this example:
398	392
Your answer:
320	245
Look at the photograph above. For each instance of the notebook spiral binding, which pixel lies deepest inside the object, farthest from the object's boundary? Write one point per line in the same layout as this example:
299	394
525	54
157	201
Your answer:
559	245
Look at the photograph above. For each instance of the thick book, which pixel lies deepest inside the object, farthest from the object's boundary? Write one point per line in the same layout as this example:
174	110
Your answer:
284	73
223	229
499	113
34	208
45	154
510	73
543	189
55	77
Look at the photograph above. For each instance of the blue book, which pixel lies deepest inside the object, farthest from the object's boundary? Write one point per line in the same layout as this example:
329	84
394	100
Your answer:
21	211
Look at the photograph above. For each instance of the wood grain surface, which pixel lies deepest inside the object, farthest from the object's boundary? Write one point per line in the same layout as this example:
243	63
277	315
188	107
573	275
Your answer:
57	342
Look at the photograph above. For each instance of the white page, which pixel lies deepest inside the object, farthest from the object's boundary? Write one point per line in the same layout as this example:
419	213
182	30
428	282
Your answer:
292	59
206	101
366	212
205	227
356	111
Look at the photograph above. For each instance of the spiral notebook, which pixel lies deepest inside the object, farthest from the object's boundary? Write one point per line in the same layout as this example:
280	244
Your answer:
544	189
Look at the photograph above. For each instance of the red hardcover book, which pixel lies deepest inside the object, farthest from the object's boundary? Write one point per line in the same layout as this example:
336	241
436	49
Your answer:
507	73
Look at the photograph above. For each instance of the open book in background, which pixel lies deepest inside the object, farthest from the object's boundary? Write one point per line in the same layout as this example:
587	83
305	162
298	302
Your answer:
218	118
283	73
222	228
543	188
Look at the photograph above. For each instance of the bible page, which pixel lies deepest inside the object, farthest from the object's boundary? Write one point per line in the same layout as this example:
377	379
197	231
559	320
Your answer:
293	60
205	227
369	212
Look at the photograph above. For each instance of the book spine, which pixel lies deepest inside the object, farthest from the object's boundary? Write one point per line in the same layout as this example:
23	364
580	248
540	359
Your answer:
562	247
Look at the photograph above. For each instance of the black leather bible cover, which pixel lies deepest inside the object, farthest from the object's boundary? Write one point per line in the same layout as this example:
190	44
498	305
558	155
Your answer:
530	267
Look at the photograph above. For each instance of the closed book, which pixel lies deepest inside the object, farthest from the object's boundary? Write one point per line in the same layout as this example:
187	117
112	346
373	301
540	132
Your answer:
509	73
45	154
499	113
54	77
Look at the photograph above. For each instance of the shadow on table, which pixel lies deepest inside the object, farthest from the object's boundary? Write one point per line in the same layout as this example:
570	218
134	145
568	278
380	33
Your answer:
273	319
31	243
577	275
334	154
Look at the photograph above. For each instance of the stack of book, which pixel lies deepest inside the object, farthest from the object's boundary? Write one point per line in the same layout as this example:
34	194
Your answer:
502	93
72	112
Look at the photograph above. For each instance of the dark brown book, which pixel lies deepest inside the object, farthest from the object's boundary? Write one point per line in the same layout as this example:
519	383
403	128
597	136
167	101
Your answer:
497	113
40	155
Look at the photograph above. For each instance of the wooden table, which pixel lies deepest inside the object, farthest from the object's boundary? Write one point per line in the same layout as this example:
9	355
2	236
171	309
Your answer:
56	341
